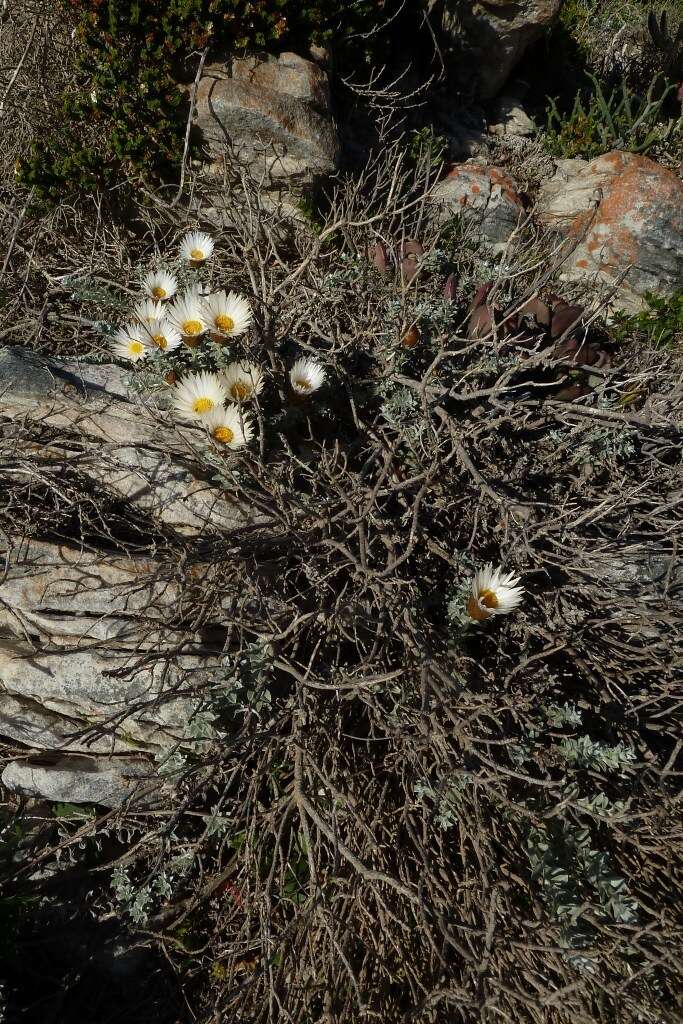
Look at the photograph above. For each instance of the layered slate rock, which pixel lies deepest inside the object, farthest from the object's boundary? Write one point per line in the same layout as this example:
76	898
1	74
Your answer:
490	38
123	445
93	669
82	780
271	114
91	656
485	196
102	657
622	216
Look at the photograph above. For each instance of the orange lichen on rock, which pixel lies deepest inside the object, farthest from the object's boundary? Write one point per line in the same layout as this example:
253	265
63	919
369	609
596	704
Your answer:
624	214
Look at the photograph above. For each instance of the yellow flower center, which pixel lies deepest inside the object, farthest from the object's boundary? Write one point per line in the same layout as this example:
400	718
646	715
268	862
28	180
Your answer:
197	254
160	341
223	434
224	323
136	348
202	405
302	383
191	328
240	390
486	597
159	292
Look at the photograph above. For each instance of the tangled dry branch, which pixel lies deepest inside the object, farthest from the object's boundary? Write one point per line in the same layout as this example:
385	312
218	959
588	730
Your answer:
394	816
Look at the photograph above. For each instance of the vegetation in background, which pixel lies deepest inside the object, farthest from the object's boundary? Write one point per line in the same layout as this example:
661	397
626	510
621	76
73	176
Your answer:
661	324
128	112
599	122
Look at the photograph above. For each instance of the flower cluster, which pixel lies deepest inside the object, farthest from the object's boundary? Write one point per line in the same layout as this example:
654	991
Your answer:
167	318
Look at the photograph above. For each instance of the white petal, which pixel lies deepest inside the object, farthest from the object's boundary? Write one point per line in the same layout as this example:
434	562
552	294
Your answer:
306	376
243	380
197	395
159	285
229	427
196	247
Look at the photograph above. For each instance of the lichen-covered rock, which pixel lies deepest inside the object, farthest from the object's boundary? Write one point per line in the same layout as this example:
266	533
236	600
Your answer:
487	198
490	38
622	215
271	114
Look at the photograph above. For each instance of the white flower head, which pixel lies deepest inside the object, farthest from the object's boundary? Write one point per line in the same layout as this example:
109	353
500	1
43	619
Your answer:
228	315
493	593
243	381
159	285
148	310
229	426
306	376
186	315
198	394
196	247
161	334
130	342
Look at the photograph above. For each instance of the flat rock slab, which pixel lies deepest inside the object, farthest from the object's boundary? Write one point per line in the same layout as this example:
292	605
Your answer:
61	595
622	215
107	781
124	445
145	702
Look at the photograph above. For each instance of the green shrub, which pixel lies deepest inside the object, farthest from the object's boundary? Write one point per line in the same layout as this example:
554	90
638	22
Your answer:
598	123
660	324
127	110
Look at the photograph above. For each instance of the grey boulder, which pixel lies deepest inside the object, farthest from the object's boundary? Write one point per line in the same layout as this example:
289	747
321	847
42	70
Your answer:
272	115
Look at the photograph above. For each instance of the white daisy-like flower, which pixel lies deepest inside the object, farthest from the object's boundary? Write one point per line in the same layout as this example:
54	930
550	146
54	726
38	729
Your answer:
229	426
198	394
306	376
196	247
159	285
227	315
187	316
493	593
130	342
243	381
147	310
162	335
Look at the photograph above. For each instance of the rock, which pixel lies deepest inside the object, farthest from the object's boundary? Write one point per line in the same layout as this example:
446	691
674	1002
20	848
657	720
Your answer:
490	38
485	196
114	439
509	118
464	128
65	596
96	654
27	721
273	115
82	780
131	695
622	214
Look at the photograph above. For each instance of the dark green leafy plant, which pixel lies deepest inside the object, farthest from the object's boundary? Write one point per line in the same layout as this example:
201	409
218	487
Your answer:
660	324
598	123
128	110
